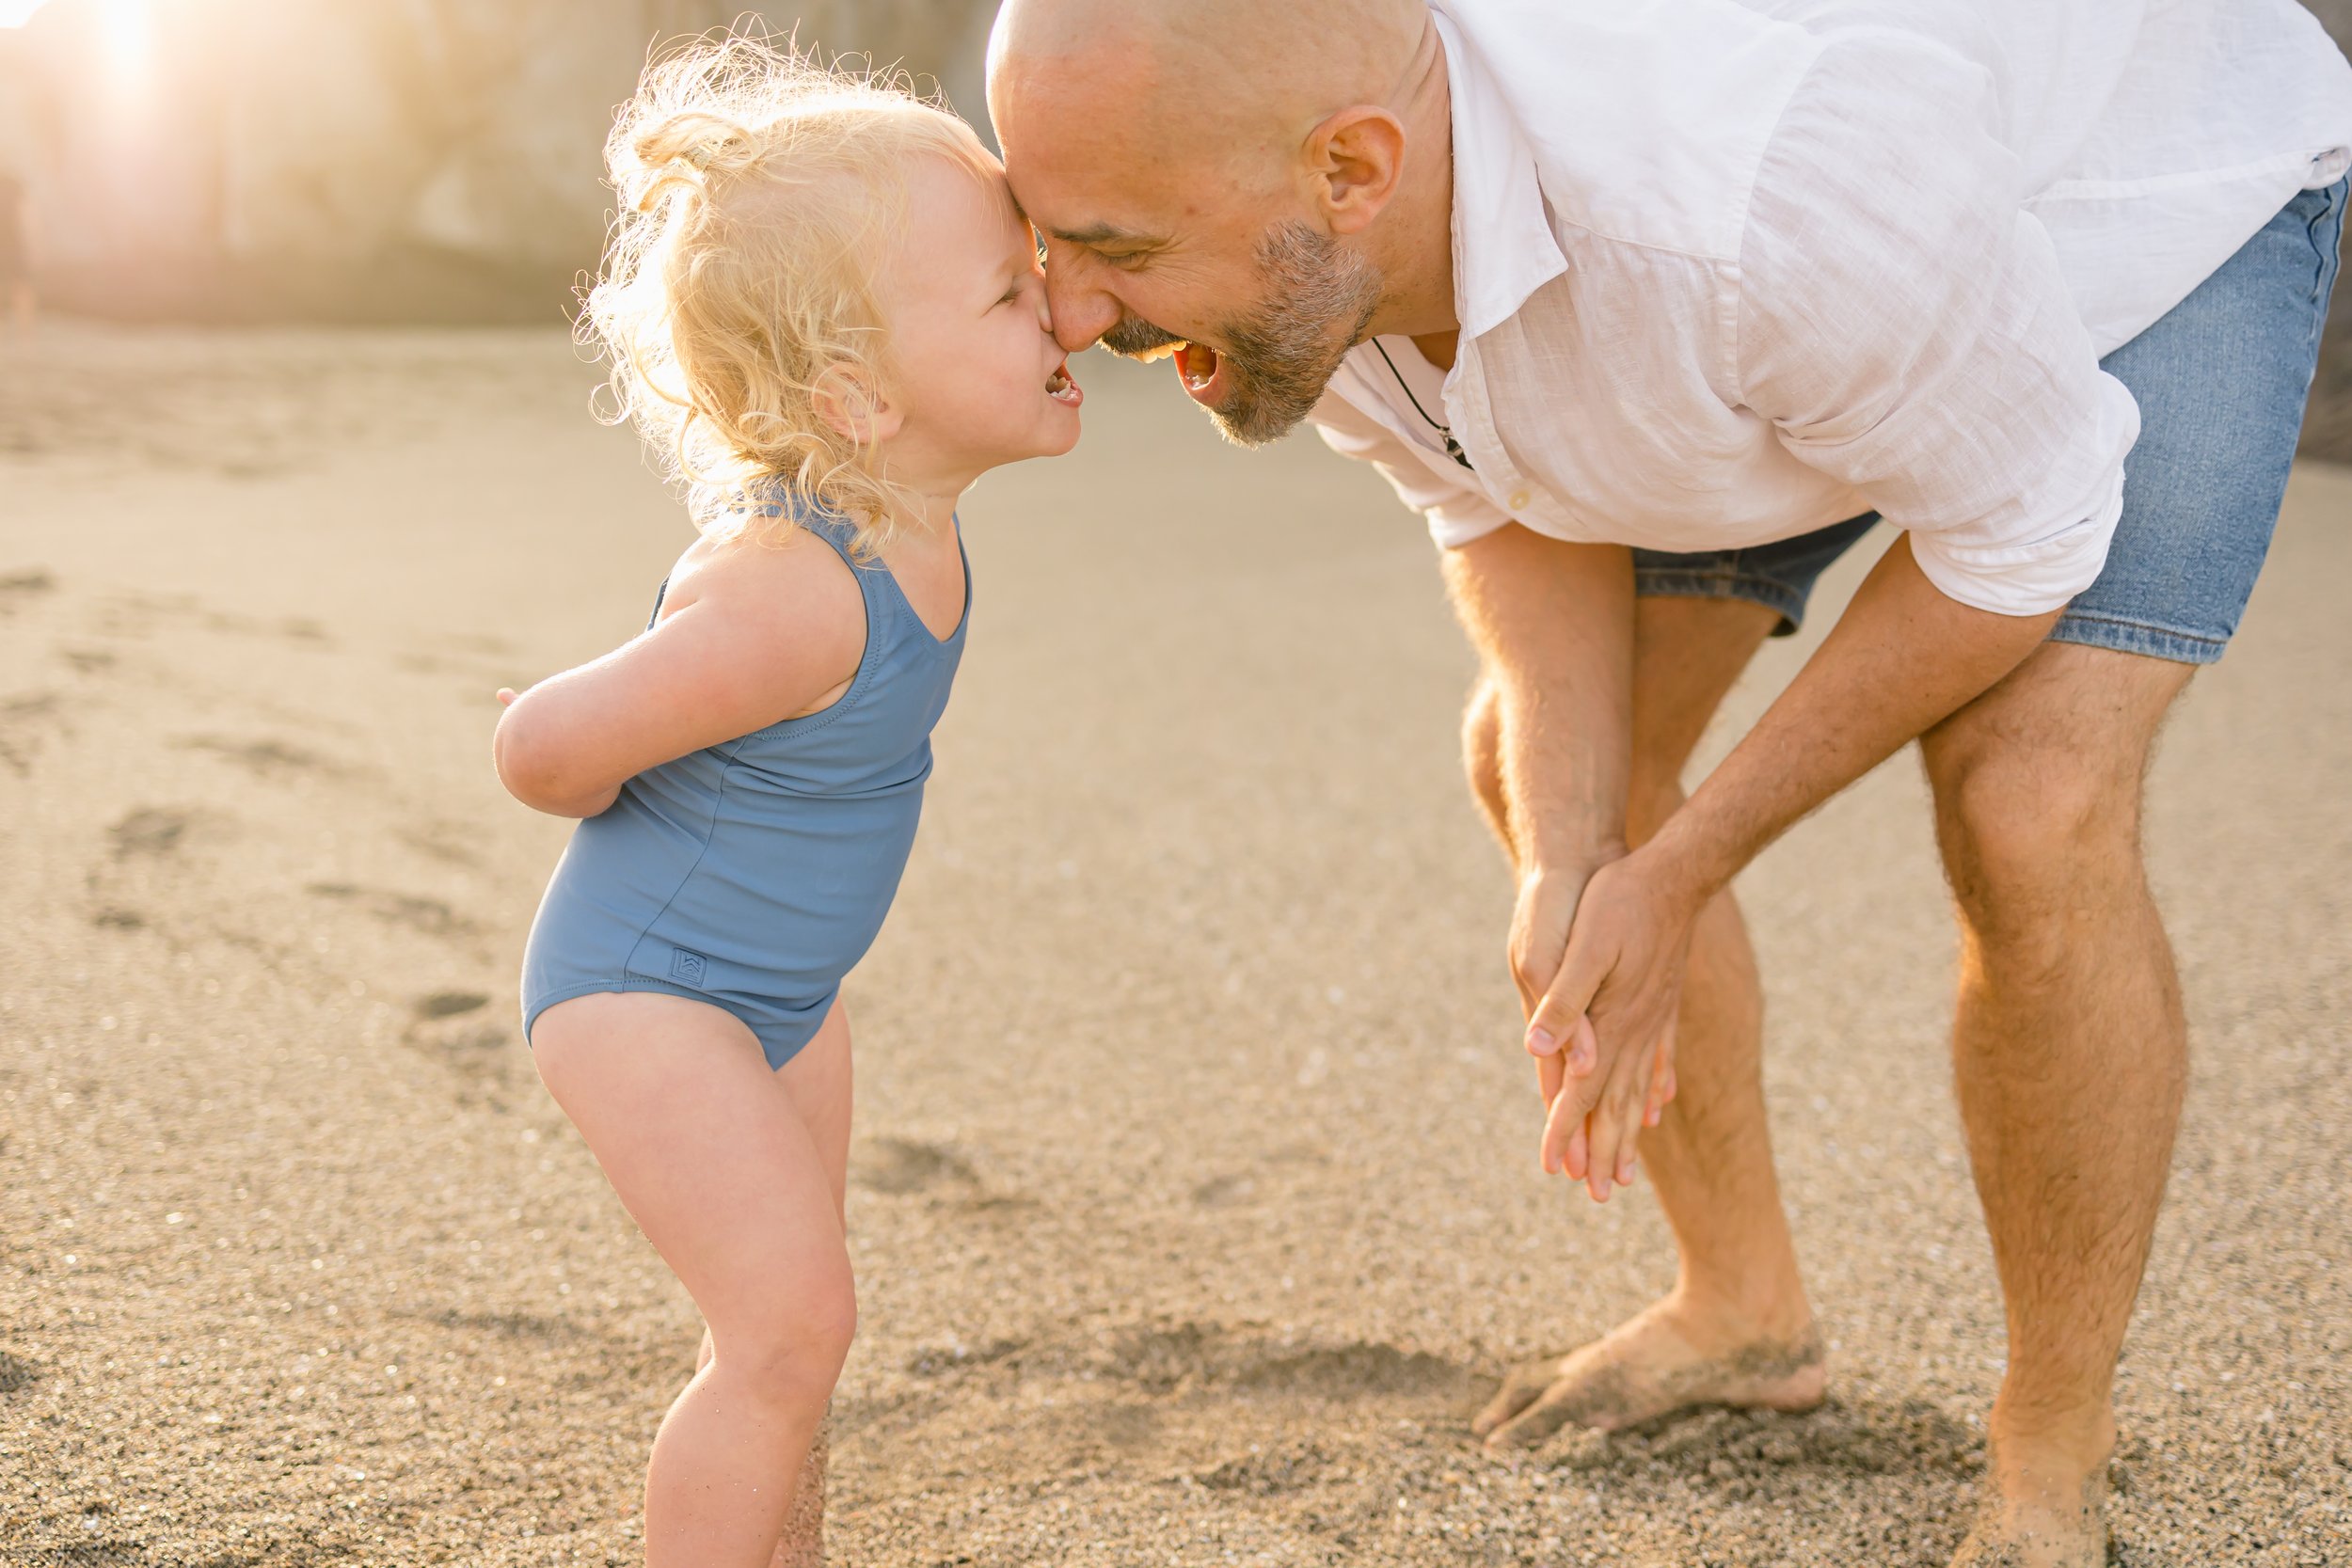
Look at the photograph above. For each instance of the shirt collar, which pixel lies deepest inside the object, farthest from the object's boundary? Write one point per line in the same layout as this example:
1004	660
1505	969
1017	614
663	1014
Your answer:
1503	247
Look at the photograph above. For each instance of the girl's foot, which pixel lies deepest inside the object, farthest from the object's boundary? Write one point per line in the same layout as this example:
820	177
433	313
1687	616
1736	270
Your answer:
804	1543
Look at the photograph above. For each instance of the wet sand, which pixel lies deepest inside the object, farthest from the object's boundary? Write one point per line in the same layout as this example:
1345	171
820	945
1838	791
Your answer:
1195	1201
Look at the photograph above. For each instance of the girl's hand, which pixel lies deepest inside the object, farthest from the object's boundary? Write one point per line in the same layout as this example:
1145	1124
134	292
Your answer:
748	639
506	696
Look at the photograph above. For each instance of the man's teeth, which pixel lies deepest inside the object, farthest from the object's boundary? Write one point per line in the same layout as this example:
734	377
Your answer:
1197	365
1163	351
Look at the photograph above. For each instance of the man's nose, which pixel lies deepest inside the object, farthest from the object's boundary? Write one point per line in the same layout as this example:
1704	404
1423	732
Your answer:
1081	312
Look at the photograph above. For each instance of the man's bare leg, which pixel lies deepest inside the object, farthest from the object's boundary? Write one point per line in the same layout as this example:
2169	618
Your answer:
1736	1328
2069	1048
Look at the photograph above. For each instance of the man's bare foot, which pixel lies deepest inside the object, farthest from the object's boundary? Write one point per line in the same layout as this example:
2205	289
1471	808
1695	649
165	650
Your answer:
1670	1357
2038	1512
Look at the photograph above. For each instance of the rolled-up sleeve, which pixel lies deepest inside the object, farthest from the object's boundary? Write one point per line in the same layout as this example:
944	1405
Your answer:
1903	324
1456	514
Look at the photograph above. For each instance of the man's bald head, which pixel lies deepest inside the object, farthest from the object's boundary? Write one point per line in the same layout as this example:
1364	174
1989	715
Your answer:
1231	75
1211	171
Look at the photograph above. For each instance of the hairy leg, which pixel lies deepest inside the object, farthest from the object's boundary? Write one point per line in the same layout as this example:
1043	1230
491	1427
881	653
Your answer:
722	1163
2070	1050
1736	1328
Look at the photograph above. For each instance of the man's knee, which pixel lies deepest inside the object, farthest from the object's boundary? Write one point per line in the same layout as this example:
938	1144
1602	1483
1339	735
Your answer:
1654	785
1482	740
2034	833
1481	761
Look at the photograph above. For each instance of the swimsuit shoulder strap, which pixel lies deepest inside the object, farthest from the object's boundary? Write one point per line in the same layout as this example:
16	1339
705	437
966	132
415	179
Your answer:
875	584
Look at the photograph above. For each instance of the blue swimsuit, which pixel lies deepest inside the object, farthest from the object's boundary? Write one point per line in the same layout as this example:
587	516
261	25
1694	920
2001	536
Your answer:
754	874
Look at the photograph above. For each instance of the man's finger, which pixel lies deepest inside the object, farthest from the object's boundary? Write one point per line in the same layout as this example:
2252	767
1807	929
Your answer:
1616	1123
1570	1105
1662	1078
1559	1018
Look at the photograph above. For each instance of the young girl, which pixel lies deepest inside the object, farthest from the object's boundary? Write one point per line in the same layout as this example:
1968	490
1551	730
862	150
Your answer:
822	305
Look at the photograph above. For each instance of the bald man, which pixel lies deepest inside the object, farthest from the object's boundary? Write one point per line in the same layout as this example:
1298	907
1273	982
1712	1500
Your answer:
1652	310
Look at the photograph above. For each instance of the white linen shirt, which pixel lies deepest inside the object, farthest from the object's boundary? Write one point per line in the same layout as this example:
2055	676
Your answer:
1728	271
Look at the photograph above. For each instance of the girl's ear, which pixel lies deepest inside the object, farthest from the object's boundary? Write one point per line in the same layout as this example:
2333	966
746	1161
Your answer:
852	406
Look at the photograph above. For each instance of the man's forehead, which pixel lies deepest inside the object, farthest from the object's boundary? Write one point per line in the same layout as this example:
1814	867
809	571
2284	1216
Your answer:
1087	195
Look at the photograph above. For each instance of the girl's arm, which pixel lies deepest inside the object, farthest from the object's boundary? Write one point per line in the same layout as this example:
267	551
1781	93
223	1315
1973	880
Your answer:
761	641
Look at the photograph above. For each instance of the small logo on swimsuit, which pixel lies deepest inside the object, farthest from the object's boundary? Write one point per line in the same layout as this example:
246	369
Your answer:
687	968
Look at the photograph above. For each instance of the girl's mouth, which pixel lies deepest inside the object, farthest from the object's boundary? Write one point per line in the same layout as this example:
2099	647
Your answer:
1201	369
1063	388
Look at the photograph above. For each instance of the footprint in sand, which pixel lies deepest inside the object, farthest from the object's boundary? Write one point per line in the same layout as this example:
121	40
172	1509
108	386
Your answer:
266	758
443	1026
505	1326
25	723
451	843
429	916
1219	1192
292	628
16	1373
939	1360
150	831
448	1004
1268	1474
901	1165
1162	1359
20	588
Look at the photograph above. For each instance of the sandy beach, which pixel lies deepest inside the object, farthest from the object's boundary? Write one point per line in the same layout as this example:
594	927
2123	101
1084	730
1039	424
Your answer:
1194	1200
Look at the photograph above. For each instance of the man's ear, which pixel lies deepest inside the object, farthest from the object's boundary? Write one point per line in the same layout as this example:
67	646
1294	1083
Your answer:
852	406
1356	158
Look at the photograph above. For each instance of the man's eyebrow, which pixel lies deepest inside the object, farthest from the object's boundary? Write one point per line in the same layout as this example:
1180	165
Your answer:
1096	235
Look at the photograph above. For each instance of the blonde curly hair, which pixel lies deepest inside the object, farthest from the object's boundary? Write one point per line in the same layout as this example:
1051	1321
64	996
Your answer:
757	189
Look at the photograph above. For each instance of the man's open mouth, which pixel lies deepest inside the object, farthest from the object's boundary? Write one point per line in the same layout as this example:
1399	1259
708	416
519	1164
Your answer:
1063	388
1201	369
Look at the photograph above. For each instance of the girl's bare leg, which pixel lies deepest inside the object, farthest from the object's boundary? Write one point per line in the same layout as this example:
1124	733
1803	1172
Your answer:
820	1079
732	1171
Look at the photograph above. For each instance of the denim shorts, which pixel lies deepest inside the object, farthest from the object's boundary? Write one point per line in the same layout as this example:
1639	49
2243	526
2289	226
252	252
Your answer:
2221	380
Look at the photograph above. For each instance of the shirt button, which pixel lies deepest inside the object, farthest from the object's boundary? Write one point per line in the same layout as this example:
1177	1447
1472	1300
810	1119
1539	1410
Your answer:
1519	499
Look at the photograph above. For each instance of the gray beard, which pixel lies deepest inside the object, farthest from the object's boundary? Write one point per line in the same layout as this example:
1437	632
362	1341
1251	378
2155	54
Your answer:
1282	353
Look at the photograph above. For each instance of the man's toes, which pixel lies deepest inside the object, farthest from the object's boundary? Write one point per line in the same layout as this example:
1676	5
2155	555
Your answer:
1563	1405
1522	1385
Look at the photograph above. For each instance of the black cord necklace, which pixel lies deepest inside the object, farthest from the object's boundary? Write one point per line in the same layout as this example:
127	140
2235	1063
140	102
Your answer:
1445	433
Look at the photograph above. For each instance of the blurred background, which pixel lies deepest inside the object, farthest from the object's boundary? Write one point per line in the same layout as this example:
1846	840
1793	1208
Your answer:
358	160
1192	1200
429	161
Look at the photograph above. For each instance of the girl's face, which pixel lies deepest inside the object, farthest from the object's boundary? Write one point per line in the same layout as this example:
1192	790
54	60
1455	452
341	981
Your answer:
976	378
